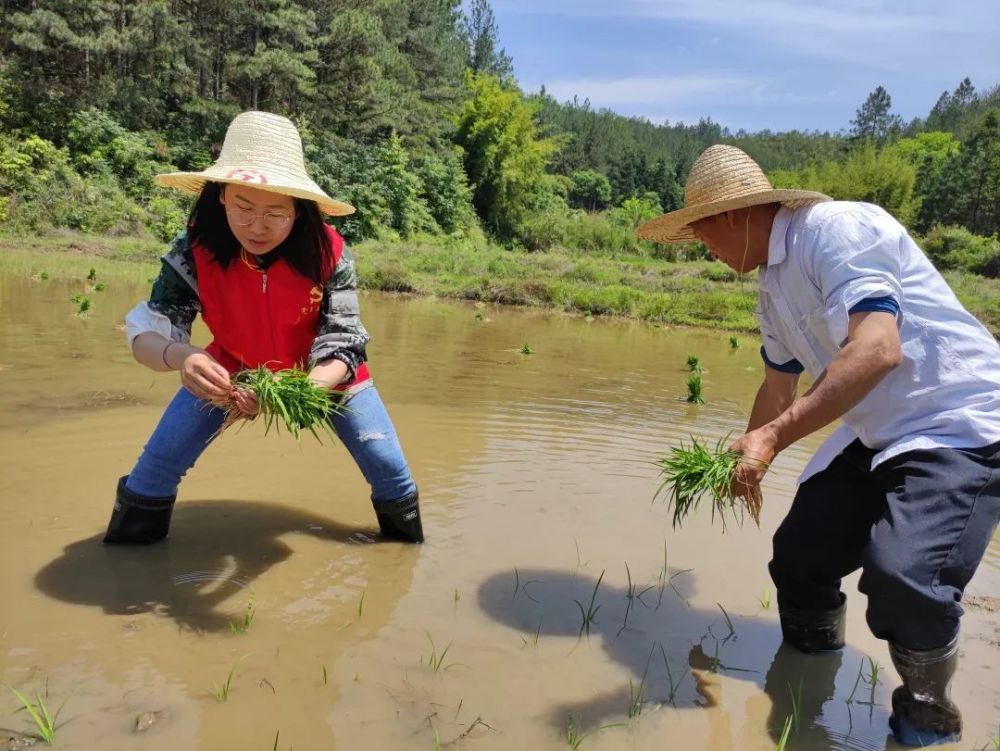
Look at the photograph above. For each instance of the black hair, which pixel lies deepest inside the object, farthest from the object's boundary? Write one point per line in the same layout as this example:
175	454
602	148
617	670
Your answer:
307	248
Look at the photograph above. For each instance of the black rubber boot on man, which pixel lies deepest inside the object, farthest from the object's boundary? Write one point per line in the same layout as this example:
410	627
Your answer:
814	630
138	519
923	714
400	519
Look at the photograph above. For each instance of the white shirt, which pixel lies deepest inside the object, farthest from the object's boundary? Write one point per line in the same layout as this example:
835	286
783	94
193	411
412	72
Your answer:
823	260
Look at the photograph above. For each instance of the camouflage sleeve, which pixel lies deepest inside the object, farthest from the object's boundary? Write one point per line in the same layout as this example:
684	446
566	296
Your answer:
340	334
175	290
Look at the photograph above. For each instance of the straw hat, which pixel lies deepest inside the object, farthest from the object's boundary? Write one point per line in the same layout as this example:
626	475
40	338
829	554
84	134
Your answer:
263	151
723	178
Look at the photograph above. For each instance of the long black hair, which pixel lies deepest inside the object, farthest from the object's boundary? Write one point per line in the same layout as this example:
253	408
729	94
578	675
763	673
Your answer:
307	248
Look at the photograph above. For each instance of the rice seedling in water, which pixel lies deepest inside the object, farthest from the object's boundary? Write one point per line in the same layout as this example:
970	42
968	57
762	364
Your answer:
574	737
729	623
324	675
871	679
44	275
734	343
100	287
694	389
92	276
480	315
286	398
590	613
82	303
637	696
631	595
519	587
765	601
691	474
694	365
361	604
534	640
526	349
670	677
45	721
241	627
458	596
796	705
785	732
435	660
221	691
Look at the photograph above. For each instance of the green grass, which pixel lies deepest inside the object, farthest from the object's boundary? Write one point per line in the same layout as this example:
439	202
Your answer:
44	720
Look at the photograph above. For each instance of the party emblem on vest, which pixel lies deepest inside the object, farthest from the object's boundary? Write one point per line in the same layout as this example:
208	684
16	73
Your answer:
247	175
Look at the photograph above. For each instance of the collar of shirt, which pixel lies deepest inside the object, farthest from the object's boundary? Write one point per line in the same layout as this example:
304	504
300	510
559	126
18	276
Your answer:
776	251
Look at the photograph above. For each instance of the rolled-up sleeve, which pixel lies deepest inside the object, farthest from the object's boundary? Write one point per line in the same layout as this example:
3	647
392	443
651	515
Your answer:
173	302
856	259
340	334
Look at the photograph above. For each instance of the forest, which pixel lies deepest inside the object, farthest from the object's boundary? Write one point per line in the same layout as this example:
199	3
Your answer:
409	110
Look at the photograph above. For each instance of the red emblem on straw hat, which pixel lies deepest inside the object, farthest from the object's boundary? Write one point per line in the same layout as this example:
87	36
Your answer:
247	176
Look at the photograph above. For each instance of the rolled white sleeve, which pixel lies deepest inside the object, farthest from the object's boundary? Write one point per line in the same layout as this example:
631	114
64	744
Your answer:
853	262
142	319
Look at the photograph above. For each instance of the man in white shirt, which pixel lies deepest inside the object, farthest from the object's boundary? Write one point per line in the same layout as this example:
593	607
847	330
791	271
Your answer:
908	489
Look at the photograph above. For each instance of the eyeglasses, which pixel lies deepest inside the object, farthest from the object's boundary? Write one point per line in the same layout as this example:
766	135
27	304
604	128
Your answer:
246	217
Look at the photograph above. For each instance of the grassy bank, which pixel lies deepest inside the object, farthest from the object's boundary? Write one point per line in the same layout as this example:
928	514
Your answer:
699	293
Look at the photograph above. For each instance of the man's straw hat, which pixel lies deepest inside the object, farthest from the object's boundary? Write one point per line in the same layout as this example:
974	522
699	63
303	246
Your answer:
262	151
723	178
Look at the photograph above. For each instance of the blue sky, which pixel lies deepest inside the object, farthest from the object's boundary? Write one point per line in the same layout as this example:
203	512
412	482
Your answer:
754	64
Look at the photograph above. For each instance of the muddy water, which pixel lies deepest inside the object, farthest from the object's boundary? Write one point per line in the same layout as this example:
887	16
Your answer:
536	480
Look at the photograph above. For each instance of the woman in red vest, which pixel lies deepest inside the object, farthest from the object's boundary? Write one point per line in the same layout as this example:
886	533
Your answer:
276	287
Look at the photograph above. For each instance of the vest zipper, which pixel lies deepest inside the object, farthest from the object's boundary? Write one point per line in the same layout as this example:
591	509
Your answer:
263	283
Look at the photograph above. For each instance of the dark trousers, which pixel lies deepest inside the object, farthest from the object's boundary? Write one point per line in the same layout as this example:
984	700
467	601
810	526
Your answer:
917	526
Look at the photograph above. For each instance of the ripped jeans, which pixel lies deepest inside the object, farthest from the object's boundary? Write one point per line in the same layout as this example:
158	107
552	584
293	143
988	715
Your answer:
188	425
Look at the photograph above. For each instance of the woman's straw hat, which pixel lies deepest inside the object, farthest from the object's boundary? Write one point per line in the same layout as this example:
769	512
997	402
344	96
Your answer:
263	151
723	178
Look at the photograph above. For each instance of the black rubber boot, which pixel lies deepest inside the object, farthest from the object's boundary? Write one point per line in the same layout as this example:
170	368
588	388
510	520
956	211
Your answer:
400	519
814	630
137	519
923	714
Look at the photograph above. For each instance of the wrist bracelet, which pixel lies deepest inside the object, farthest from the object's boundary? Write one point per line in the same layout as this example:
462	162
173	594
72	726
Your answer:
163	354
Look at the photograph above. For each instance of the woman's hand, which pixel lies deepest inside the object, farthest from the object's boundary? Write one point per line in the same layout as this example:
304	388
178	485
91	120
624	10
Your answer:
246	402
206	379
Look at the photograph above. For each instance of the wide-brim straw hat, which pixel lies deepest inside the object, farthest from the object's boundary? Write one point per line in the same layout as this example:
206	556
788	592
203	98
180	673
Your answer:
723	178
262	151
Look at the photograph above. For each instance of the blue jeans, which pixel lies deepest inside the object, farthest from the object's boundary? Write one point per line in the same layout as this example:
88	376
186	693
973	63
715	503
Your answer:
189	425
917	526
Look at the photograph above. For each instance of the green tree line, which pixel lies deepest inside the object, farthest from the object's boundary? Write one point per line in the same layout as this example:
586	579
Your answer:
410	111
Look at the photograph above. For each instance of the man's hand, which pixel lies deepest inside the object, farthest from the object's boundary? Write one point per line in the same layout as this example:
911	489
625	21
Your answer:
757	450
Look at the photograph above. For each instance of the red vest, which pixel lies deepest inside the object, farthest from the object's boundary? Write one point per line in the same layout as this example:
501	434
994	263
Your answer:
262	318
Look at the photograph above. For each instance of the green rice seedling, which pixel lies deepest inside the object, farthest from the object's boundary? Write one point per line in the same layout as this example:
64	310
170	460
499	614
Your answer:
694	389
729	623
534	639
670	677
691	474
285	398
435	660
100	287
871	679
765	600
526	349
241	627
994	743
92	276
523	587
82	303
458	596
637	696
734	342
785	732
45	721
796	705
221	690
693	364
631	594
361	603
480	315
44	275
574	737
590	613
324	675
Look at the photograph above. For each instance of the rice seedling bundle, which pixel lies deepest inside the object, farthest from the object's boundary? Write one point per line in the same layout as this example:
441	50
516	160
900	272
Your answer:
693	474
286	398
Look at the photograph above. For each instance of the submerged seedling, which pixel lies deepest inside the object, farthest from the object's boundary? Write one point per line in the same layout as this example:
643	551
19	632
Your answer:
288	398
574	737
694	389
692	474
44	720
587	616
796	697
221	691
241	627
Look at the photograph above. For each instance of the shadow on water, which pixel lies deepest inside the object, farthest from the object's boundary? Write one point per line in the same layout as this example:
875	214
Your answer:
215	549
672	650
